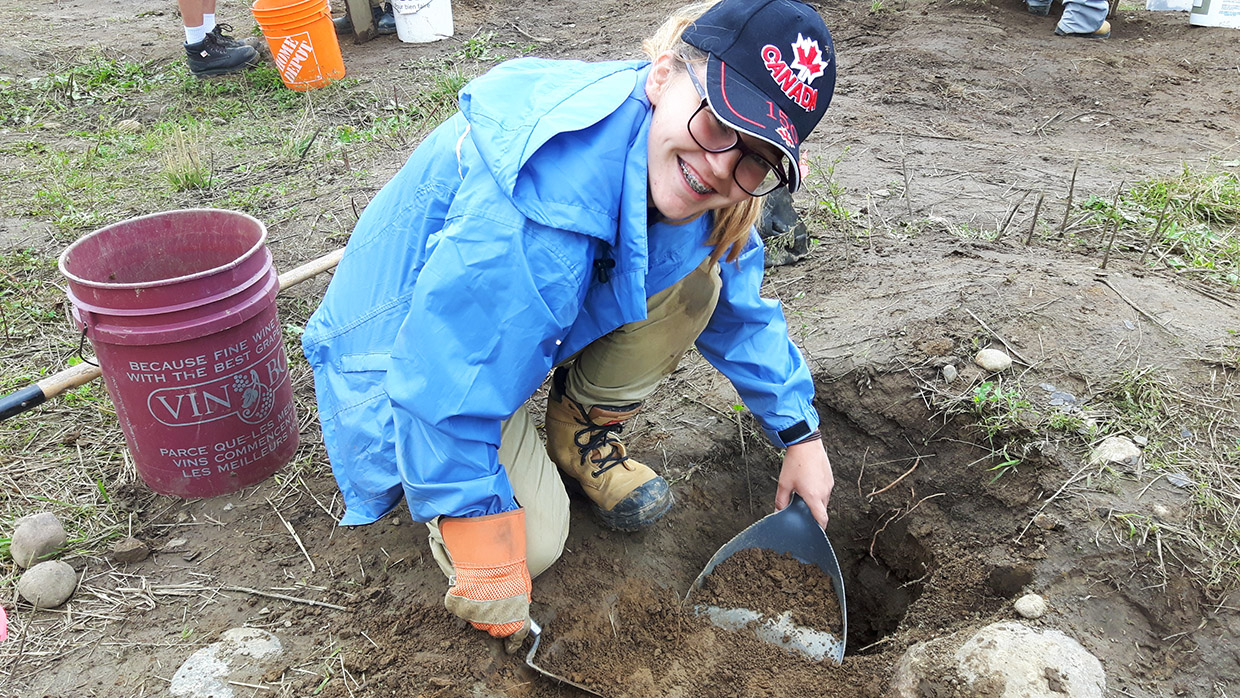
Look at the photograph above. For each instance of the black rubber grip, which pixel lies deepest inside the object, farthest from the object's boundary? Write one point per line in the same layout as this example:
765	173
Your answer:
15	403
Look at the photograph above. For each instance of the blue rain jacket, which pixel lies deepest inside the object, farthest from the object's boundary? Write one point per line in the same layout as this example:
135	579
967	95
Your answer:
515	235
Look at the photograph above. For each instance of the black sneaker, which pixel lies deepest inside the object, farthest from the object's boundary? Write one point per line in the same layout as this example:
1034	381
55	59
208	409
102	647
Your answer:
225	40
210	57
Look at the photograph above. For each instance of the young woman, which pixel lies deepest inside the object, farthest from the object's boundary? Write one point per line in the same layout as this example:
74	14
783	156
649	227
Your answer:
595	219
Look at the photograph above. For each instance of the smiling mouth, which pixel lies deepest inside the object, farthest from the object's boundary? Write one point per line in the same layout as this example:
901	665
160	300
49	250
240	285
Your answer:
694	183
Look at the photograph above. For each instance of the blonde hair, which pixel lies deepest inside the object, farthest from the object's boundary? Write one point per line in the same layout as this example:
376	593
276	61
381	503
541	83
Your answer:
731	223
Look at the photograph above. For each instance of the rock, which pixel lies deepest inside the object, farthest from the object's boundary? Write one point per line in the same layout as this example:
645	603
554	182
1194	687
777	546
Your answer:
207	672
174	545
993	360
1003	660
127	550
1045	522
129	126
36	536
1030	606
949	373
781	229
1116	449
48	584
1028	663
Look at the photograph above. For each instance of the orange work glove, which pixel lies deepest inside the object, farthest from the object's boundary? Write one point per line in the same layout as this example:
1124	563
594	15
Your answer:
491	587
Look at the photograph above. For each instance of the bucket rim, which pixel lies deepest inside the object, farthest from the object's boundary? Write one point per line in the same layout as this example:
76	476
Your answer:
258	245
317	4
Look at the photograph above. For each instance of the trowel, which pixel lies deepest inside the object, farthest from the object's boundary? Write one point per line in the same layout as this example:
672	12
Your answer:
536	633
791	531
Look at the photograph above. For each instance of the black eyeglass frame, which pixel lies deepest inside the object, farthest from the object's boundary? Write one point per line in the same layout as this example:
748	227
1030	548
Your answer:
781	177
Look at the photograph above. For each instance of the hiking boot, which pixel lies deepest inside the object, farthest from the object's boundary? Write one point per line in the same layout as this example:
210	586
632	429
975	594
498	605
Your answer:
627	495
1103	32
385	20
227	41
208	57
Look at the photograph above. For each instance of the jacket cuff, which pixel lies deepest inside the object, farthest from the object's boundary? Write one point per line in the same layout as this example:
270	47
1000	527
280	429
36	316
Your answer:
798	432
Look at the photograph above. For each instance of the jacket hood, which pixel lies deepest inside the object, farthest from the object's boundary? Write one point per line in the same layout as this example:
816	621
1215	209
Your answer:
559	137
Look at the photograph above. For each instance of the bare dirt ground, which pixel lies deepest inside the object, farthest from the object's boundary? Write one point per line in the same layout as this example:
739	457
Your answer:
947	116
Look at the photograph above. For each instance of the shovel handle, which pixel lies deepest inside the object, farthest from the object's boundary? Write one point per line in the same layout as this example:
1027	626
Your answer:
38	393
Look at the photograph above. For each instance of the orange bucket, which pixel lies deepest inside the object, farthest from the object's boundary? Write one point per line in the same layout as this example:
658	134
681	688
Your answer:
302	40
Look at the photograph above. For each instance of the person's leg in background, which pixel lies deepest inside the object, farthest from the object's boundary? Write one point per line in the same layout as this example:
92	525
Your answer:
1085	18
207	50
594	394
221	30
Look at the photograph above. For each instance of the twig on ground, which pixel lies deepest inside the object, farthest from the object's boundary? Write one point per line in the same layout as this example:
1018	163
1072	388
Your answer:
1157	229
908	201
284	597
1106	256
528	35
1067	211
1135	307
1047	503
293	533
1011	214
999	337
1033	225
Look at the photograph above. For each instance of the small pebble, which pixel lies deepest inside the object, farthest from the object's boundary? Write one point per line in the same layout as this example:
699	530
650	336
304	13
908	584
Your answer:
174	544
1116	449
1044	522
48	584
949	373
1031	606
129	550
36	536
993	360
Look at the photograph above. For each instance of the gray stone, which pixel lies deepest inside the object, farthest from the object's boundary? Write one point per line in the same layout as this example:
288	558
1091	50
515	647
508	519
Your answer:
781	229
129	550
1116	449
1028	663
949	373
993	360
206	673
35	537
48	584
1003	660
1030	606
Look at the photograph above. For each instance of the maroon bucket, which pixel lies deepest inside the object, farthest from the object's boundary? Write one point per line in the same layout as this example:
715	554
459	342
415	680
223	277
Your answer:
180	308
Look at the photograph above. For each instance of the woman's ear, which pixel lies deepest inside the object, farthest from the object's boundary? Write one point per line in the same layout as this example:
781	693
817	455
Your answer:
661	73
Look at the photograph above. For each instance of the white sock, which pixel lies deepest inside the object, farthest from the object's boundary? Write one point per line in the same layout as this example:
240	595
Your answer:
194	35
208	21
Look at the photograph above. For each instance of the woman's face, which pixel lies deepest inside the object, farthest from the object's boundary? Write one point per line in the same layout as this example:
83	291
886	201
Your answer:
685	180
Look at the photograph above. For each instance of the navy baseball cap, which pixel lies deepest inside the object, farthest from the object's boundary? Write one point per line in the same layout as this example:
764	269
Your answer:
770	71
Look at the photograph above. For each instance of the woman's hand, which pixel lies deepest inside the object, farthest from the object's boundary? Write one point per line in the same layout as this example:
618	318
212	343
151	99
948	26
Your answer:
806	471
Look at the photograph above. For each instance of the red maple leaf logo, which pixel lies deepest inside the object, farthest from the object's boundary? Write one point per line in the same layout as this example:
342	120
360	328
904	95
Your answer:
808	63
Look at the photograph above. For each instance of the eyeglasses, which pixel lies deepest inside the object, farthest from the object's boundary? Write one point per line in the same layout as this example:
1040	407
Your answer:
754	173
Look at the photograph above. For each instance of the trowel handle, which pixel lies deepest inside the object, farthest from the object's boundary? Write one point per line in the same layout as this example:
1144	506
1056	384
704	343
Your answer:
40	392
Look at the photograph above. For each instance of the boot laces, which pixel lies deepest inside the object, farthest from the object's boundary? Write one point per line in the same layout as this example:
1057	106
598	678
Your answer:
600	438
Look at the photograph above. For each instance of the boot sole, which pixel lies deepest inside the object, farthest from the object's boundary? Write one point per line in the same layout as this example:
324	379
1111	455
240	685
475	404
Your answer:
628	522
216	72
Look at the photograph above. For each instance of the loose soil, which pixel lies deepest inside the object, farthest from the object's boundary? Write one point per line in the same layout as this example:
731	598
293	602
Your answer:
772	584
945	113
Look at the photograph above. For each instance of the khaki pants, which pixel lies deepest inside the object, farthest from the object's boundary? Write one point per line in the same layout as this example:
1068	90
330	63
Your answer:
620	368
